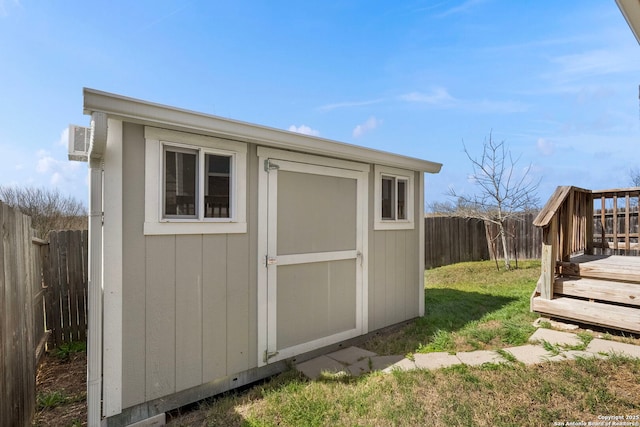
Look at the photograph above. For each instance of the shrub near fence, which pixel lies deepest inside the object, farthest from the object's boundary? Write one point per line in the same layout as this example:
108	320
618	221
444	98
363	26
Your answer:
20	301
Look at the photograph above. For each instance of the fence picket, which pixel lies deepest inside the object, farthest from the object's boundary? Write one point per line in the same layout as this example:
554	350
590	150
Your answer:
17	352
450	239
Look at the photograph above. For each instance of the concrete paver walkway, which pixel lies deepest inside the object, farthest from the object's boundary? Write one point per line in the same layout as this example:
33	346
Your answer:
356	361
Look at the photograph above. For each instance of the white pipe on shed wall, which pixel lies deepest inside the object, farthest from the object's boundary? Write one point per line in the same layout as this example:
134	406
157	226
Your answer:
94	347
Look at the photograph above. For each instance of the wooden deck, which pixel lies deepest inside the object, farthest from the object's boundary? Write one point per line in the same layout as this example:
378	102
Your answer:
575	282
596	289
614	267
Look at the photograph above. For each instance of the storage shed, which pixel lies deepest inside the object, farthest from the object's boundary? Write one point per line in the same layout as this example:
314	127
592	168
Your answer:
222	250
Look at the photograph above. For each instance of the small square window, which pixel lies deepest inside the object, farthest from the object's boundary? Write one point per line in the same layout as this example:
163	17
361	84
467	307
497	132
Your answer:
393	198
194	184
182	196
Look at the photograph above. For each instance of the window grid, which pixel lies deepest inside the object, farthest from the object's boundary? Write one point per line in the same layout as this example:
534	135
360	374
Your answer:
199	188
394	198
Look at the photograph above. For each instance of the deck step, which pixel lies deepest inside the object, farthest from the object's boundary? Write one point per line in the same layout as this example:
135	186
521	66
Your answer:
607	315
604	290
620	268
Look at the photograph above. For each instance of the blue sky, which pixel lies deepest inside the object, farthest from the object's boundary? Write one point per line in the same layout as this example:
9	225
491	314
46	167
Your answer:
557	80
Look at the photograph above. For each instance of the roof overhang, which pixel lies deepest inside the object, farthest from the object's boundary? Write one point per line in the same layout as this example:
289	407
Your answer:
631	11
148	113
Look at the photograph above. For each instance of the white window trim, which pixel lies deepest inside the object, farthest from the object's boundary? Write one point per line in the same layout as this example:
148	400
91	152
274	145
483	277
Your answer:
155	140
398	174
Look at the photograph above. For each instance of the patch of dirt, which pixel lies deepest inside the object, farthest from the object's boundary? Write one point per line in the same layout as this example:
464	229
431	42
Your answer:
66	379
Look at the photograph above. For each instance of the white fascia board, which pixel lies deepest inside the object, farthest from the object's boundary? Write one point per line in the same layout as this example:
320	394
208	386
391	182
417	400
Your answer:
138	111
631	11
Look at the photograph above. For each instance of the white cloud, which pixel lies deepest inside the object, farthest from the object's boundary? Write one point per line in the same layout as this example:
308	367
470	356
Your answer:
330	107
59	171
595	63
64	138
545	147
365	127
4	6
462	8
304	129
438	96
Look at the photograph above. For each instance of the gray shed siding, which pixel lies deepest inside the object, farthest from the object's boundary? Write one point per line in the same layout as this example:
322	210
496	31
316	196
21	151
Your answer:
190	301
393	264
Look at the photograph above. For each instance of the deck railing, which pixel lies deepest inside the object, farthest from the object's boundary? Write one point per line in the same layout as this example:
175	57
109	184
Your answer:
569	226
616	220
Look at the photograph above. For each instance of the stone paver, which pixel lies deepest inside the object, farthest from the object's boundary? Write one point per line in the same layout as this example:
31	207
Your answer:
382	362
529	354
480	357
403	365
375	363
356	361
555	337
603	346
435	360
315	367
350	355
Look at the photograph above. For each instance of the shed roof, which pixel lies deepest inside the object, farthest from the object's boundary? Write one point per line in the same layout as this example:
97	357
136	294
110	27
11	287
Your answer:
149	113
631	11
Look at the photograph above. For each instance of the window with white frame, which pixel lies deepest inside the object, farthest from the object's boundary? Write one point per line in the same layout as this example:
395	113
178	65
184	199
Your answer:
393	198
194	184
192	194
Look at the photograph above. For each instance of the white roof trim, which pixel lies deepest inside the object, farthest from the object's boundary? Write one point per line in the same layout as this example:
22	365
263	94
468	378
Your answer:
631	11
135	110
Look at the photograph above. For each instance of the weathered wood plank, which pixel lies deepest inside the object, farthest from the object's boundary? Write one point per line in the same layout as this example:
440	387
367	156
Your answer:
72	275
607	315
604	290
5	356
547	275
613	267
551	207
17	348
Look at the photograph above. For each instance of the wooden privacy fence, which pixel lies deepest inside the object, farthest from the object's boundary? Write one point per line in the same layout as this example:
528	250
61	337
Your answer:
65	266
451	239
21	317
42	297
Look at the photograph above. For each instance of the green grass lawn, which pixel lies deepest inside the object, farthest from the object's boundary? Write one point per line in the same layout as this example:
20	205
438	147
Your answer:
468	306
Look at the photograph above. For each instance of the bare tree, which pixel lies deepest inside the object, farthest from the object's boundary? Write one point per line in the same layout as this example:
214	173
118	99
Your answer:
505	192
634	174
49	210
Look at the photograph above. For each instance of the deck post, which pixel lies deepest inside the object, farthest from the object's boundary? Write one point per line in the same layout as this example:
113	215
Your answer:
549	243
589	225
